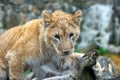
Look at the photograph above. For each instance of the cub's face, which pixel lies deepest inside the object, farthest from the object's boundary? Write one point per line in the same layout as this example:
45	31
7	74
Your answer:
62	30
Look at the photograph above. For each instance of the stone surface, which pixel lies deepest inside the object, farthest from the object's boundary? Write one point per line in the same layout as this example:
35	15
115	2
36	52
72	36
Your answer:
16	12
1	16
17	1
102	69
12	19
105	69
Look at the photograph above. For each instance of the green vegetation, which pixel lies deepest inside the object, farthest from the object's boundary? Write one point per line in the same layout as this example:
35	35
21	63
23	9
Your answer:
102	51
27	72
77	50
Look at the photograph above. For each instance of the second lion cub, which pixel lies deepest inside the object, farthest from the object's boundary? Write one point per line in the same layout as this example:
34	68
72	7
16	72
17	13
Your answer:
38	42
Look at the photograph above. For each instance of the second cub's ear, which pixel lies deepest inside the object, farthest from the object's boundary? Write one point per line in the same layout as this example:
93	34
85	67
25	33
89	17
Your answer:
46	17
76	17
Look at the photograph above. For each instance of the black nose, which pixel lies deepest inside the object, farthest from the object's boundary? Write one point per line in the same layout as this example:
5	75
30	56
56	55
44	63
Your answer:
66	52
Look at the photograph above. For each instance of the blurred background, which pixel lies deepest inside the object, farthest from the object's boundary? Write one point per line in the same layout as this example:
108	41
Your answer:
100	27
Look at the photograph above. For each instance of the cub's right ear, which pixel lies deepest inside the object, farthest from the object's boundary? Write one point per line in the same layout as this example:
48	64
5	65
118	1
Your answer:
47	18
76	17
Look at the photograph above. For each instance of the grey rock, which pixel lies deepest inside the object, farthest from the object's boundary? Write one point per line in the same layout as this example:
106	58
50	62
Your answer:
96	26
17	1
26	7
1	16
30	16
2	30
105	69
12	19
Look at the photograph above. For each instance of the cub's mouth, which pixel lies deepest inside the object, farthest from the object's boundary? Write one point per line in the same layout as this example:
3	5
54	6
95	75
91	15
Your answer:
66	53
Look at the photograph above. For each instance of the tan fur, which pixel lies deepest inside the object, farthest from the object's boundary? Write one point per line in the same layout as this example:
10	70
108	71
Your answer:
34	43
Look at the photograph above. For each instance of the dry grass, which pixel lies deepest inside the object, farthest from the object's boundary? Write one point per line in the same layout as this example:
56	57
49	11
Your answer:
116	60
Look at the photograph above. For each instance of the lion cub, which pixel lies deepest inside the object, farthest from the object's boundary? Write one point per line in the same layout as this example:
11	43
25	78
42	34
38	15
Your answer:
37	42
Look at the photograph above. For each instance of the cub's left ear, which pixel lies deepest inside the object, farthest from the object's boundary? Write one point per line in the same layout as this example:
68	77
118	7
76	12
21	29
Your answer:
47	18
77	15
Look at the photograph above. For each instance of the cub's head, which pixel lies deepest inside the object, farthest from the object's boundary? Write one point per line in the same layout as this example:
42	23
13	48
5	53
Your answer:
61	30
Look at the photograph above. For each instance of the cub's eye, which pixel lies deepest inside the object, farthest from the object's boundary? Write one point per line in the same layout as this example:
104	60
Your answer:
71	35
57	37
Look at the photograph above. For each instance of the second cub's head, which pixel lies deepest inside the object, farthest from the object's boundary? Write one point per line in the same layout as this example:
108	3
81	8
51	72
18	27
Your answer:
61	30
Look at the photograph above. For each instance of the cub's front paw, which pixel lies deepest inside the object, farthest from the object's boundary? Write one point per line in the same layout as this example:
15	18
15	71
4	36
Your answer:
92	55
89	59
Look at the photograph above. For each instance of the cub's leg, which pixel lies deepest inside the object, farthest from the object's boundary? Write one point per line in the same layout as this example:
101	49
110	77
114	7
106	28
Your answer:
16	68
3	71
3	74
36	69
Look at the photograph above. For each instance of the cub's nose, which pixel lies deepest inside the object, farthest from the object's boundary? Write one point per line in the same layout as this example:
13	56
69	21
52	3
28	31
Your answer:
66	52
